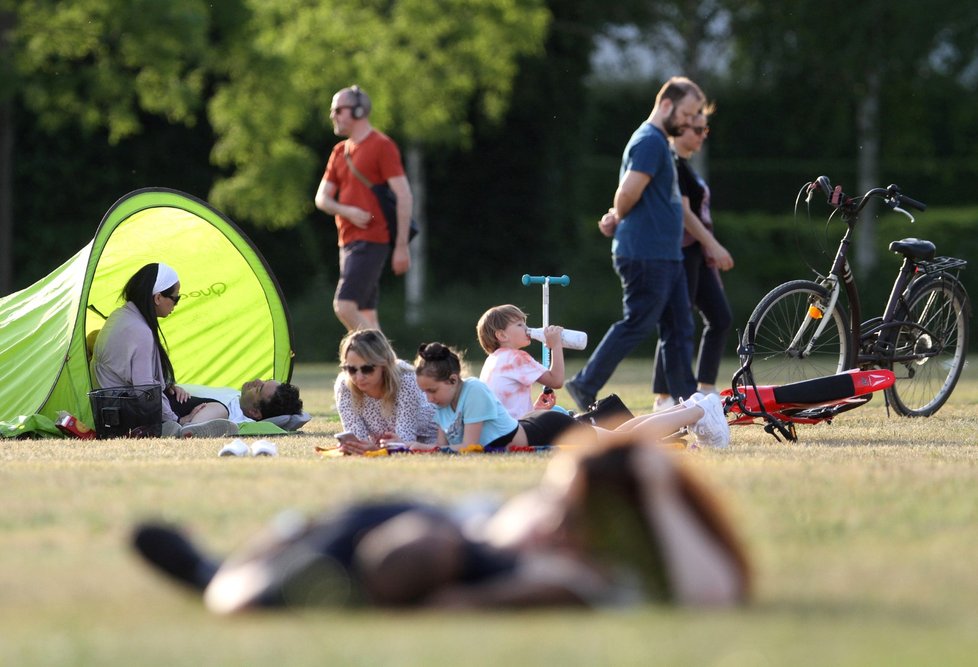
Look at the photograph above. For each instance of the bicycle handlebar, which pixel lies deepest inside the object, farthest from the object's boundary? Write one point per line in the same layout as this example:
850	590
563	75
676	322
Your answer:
909	201
890	195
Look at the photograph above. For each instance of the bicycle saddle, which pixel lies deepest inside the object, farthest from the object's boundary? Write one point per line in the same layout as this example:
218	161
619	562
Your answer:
914	248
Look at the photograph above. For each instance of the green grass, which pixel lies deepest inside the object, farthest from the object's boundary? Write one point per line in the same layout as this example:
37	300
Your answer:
863	533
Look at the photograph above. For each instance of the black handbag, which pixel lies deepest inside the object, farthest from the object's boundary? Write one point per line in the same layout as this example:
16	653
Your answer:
388	204
387	200
609	412
127	412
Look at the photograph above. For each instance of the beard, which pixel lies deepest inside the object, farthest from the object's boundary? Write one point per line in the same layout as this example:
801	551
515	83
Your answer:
672	128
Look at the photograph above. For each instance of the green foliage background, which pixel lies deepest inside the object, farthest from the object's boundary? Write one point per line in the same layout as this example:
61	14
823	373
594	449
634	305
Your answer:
520	139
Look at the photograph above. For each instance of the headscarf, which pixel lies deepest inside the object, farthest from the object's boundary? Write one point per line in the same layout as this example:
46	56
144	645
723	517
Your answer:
166	278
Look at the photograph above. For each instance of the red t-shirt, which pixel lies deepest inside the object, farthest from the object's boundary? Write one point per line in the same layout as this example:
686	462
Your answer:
379	160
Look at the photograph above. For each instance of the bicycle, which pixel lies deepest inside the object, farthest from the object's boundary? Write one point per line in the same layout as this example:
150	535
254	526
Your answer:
803	332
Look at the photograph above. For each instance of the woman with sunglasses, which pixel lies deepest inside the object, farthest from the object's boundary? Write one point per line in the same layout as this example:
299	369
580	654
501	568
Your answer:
706	293
131	350
377	396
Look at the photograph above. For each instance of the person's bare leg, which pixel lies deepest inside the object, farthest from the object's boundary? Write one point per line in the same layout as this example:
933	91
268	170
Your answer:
352	317
370	319
659	425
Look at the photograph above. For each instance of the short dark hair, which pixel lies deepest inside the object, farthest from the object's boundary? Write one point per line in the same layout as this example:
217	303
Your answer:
677	88
285	401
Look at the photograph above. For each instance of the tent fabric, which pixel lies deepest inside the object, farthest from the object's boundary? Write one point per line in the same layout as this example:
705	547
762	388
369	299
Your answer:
231	324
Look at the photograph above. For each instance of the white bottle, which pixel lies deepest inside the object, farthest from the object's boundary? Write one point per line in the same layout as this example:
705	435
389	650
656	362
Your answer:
572	340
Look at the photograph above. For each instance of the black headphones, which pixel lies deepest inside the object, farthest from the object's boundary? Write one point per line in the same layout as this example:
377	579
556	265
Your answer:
358	111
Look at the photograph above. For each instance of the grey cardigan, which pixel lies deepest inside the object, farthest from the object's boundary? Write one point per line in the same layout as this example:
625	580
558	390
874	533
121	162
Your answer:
125	354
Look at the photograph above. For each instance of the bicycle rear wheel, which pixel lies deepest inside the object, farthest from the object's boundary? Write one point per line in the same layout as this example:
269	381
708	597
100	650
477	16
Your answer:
928	358
786	319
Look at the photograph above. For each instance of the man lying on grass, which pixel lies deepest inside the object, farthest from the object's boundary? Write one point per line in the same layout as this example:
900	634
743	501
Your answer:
616	524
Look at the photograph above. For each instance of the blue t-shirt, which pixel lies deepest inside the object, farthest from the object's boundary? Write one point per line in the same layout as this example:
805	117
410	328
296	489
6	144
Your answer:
653	229
476	403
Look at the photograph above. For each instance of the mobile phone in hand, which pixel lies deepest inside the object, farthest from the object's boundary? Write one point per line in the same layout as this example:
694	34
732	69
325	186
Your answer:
345	437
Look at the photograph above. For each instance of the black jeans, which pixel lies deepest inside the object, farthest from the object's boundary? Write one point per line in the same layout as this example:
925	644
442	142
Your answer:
706	294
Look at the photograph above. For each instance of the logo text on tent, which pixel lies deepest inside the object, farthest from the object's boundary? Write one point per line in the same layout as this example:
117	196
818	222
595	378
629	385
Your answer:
217	289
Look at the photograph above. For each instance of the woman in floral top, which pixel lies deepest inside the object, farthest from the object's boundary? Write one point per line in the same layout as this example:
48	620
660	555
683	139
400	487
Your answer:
377	396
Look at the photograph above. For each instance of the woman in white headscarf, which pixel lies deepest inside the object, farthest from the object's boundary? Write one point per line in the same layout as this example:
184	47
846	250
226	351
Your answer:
131	349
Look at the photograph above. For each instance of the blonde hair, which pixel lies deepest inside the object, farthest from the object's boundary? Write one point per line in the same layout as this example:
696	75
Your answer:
494	320
374	348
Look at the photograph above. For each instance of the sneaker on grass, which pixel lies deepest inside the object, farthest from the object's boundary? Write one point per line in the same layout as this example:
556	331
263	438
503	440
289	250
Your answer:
264	448
215	428
712	429
663	403
236	447
170	430
584	401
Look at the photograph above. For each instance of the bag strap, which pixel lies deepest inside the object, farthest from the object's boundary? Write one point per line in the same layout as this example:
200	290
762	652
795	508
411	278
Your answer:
356	172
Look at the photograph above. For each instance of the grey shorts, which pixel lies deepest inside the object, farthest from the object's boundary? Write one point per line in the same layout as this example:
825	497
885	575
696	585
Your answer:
361	266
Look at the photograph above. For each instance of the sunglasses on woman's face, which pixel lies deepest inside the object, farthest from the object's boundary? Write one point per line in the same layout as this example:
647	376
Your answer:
366	369
175	298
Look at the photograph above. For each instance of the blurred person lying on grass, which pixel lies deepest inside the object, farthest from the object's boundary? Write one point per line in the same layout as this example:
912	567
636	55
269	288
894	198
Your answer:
611	525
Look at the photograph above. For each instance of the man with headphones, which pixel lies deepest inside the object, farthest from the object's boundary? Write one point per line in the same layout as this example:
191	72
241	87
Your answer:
366	157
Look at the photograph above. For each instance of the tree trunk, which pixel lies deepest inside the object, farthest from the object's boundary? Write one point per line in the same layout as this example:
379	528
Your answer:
868	174
414	286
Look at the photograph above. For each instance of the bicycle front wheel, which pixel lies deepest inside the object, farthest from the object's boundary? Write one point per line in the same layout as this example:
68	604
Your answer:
785	348
929	354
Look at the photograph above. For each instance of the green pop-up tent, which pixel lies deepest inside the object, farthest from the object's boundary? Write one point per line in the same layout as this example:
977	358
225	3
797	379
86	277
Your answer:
231	325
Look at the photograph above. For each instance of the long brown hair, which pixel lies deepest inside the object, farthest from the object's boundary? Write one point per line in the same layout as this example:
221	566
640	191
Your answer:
610	492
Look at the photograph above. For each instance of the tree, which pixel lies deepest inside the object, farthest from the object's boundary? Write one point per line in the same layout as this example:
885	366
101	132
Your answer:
97	64
264	72
423	67
866	60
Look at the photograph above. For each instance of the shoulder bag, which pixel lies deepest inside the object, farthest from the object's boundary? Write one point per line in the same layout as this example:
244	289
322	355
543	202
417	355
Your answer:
387	200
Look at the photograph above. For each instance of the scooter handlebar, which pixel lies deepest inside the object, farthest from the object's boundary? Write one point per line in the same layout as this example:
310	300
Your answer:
563	280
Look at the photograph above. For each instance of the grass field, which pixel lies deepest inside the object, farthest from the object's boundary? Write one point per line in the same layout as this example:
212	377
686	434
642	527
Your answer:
864	535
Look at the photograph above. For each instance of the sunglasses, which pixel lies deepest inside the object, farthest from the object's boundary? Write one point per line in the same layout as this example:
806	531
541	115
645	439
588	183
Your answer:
366	369
174	299
700	131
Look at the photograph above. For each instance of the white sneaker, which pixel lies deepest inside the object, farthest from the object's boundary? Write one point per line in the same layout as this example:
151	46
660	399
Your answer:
663	403
170	430
215	428
264	448
712	429
236	447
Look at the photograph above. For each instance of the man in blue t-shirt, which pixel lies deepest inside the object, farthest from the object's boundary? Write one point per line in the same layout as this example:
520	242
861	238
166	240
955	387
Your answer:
646	221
